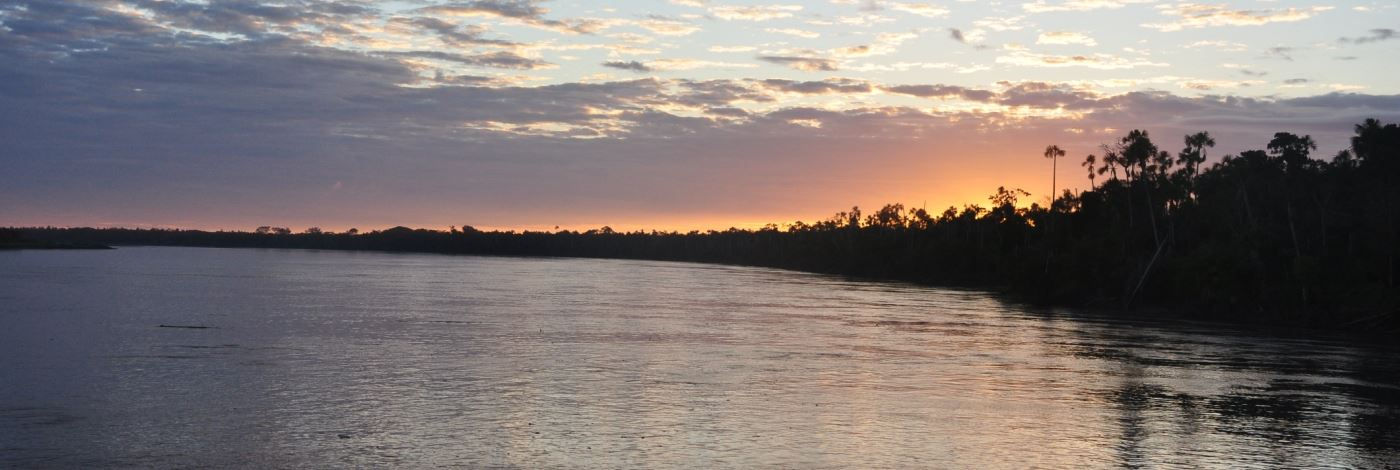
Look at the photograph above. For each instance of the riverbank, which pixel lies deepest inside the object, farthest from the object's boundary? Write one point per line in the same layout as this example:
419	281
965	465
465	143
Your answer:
12	240
752	249
51	246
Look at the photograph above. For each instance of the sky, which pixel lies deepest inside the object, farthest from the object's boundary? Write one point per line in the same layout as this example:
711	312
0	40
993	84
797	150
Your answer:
670	115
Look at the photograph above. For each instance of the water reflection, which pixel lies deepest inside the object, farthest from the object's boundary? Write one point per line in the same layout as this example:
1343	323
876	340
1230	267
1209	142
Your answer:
365	359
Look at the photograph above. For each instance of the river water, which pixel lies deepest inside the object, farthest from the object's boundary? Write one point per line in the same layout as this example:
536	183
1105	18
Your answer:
336	359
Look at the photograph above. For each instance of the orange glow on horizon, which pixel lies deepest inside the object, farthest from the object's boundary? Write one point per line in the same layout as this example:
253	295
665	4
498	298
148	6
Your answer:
918	174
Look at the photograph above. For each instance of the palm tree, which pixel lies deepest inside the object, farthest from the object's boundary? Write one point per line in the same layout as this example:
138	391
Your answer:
1138	153
1110	163
1195	152
1089	162
1053	152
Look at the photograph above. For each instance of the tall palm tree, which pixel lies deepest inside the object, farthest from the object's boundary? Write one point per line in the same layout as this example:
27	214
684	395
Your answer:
1053	152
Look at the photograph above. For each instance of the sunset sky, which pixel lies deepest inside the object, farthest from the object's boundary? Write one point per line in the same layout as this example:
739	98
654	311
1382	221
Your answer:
687	114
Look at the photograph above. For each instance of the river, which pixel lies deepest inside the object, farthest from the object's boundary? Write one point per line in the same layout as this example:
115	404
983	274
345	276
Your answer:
355	359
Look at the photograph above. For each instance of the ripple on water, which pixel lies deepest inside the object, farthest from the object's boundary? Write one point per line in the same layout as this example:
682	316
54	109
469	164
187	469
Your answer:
374	359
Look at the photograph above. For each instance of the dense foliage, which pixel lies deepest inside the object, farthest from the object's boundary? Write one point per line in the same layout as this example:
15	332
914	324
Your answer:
1272	233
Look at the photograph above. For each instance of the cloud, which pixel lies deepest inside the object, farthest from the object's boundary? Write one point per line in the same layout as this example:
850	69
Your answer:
1377	35
522	11
1192	15
1022	95
926	10
692	64
630	65
668	27
1093	61
794	32
995	23
1042	6
672	64
1065	37
539	147
243	18
754	13
501	59
1043	95
1281	52
519	9
250	111
453	34
884	43
718	93
809	64
942	91
469	80
1208	85
1225	46
907	66
829	86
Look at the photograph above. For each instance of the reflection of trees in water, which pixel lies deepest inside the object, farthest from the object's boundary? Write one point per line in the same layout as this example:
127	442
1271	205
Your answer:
1132	399
1377	431
1273	414
1307	416
1145	409
1377	426
1275	401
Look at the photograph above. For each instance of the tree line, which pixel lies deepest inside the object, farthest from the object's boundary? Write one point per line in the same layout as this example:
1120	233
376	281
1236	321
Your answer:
1276	233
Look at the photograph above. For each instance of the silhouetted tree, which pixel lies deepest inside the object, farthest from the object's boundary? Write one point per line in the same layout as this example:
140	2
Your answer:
1088	164
1194	154
1293	151
1053	152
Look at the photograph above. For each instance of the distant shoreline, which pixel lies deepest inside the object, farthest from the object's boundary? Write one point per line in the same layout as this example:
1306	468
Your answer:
1144	312
46	245
382	242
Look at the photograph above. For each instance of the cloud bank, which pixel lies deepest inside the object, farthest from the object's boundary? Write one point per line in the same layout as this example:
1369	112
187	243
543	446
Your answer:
229	114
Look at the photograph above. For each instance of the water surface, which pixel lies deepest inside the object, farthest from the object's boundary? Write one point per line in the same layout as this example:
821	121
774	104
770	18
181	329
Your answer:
330	359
